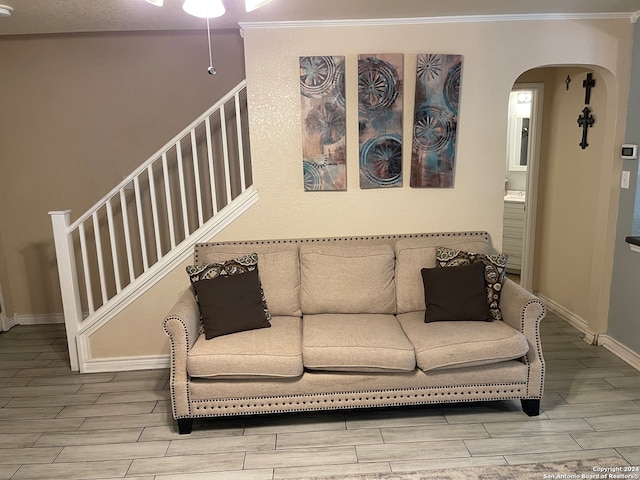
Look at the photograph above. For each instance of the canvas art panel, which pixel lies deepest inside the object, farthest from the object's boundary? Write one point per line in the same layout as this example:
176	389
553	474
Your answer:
435	125
380	94
322	87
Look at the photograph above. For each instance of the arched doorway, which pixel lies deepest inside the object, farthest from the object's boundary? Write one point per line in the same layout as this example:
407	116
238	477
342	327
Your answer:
575	201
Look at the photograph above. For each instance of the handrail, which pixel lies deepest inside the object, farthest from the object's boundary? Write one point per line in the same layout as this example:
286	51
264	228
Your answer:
127	180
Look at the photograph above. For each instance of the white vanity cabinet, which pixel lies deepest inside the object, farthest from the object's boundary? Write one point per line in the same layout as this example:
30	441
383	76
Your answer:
513	234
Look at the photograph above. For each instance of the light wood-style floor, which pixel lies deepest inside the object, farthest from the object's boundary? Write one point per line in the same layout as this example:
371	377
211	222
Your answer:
55	424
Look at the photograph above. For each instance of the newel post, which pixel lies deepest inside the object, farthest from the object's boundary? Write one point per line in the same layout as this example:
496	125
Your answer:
67	273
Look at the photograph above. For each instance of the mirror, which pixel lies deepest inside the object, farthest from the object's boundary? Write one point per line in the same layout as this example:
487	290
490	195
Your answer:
518	129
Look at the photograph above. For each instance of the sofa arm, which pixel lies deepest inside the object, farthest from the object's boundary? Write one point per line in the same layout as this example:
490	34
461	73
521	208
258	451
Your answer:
523	311
182	325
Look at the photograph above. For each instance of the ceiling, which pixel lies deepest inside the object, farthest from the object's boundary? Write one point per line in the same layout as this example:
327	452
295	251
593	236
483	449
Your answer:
66	16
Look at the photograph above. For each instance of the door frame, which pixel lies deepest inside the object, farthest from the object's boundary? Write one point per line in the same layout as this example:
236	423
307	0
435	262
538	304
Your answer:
4	324
531	197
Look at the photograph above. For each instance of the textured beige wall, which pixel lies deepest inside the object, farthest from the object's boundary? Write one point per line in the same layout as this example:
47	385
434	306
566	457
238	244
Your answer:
495	54
78	114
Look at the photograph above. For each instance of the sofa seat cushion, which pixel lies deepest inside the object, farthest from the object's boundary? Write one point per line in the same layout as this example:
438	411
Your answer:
356	343
456	344
267	352
347	279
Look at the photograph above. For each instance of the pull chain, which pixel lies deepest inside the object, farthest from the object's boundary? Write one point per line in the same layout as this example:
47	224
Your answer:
211	70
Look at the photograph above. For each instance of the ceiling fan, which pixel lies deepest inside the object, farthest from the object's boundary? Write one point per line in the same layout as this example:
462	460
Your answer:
210	8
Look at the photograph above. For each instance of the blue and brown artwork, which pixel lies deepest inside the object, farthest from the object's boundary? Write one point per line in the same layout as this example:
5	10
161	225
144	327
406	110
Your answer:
323	123
435	120
380	120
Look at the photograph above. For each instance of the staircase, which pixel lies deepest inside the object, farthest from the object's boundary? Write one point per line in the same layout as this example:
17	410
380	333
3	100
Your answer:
187	192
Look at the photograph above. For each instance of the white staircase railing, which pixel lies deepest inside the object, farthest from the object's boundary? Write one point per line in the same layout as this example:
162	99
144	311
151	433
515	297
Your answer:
187	191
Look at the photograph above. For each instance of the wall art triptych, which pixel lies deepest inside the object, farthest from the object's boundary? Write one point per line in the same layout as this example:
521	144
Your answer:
380	113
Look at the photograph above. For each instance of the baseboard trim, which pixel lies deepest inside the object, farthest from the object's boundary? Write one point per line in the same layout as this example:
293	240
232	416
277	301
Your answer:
41	319
123	364
8	322
621	351
571	318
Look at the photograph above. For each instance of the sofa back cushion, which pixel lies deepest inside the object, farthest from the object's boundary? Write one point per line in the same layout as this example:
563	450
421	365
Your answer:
347	279
278	267
414	254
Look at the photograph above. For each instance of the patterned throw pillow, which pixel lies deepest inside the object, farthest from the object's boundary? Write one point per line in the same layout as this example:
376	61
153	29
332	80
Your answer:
237	266
494	271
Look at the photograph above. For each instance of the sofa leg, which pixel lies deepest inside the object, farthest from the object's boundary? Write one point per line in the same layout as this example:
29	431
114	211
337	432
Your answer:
185	425
531	406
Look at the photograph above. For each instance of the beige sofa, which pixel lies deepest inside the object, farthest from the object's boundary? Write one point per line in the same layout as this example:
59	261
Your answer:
348	331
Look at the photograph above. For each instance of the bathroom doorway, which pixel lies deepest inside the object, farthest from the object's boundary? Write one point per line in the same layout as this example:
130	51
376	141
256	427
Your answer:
522	159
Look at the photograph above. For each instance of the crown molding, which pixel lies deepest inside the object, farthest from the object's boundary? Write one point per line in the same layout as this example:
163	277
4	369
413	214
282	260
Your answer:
631	16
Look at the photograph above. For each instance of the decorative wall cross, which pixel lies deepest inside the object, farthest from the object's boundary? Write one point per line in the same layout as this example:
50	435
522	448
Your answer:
588	84
585	121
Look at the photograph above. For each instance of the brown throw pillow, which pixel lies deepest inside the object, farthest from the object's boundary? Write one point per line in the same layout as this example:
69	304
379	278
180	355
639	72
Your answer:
236	266
455	293
494	271
231	303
